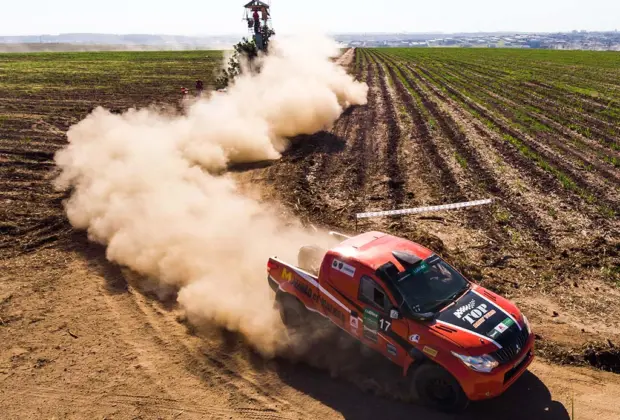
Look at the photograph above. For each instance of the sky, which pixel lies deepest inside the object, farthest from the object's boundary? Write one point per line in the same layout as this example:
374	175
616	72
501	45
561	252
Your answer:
208	17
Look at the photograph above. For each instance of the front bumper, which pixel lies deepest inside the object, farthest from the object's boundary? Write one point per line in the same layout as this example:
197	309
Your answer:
480	386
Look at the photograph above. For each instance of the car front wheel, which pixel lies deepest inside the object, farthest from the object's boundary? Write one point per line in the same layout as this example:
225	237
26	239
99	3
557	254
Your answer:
438	389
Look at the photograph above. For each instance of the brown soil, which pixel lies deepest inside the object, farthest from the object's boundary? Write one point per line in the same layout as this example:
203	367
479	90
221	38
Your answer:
80	339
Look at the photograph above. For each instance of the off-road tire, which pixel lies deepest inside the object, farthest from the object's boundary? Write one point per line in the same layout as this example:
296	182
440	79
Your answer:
292	312
429	380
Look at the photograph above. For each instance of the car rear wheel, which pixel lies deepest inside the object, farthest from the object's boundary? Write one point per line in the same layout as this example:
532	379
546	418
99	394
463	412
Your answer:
292	311
438	389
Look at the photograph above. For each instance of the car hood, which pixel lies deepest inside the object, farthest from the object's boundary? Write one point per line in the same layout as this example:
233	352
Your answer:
478	321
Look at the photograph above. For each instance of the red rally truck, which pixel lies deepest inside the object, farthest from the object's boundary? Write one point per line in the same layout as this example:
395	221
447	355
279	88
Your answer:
457	341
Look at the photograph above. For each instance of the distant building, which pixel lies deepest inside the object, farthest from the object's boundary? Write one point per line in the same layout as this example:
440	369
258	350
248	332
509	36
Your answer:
534	43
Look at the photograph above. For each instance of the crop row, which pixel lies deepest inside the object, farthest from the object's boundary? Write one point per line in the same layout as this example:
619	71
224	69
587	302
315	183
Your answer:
504	113
592	116
449	161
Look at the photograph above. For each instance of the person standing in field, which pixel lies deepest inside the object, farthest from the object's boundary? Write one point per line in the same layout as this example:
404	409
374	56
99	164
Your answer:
199	87
184	95
256	20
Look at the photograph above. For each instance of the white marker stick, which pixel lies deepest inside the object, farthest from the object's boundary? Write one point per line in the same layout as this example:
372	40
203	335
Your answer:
423	209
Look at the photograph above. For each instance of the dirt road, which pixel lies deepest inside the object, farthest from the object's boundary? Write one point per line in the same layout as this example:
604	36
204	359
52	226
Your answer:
80	339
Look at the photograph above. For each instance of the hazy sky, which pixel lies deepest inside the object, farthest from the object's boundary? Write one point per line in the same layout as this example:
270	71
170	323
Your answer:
196	17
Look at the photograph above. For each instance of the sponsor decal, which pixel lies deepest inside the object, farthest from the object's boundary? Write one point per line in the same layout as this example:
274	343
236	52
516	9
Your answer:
286	275
302	287
303	282
391	349
332	310
493	334
460	311
353	321
474	313
422	268
430	351
504	325
471	315
371	324
343	267
415	338
484	318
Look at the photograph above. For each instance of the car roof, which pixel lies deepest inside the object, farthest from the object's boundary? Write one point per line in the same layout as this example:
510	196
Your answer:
374	249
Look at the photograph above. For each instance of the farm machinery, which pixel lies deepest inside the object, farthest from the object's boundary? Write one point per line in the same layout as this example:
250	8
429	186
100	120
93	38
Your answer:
257	15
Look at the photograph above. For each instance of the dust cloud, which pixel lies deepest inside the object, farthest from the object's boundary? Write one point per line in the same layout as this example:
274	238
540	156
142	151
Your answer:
153	187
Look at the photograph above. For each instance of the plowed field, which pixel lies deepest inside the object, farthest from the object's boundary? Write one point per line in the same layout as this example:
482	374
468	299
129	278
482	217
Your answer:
538	131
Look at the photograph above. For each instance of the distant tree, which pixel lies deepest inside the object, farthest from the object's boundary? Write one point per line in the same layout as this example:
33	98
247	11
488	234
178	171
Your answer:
242	59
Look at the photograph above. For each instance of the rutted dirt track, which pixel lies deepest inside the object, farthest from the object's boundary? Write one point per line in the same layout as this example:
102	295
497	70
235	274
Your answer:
80	339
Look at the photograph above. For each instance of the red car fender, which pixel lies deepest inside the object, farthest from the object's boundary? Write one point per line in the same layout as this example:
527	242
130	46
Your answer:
291	280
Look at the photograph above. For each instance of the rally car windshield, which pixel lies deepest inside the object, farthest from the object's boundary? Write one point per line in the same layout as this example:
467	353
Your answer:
430	285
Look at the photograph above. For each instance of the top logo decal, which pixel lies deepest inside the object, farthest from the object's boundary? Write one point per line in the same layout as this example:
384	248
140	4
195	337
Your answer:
460	311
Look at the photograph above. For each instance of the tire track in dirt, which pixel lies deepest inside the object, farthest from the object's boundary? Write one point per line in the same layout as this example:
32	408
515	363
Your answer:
361	170
109	346
30	209
153	405
161	343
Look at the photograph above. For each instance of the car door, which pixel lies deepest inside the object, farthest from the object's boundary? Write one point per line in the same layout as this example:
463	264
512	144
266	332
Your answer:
380	331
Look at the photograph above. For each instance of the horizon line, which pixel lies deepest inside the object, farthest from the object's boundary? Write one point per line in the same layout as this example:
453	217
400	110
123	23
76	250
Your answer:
231	34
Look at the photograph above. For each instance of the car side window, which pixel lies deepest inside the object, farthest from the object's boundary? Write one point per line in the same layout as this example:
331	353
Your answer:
372	294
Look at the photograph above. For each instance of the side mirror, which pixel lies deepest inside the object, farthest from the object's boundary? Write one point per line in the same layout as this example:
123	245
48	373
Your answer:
394	314
427	316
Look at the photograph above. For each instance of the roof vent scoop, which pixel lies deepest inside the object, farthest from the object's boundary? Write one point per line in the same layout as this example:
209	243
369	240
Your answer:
406	259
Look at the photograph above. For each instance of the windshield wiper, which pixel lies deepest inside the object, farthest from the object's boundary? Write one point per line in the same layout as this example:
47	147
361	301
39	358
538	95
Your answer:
458	294
450	299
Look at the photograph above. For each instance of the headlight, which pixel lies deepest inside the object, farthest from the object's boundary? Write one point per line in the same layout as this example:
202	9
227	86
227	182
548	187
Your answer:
527	324
484	363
